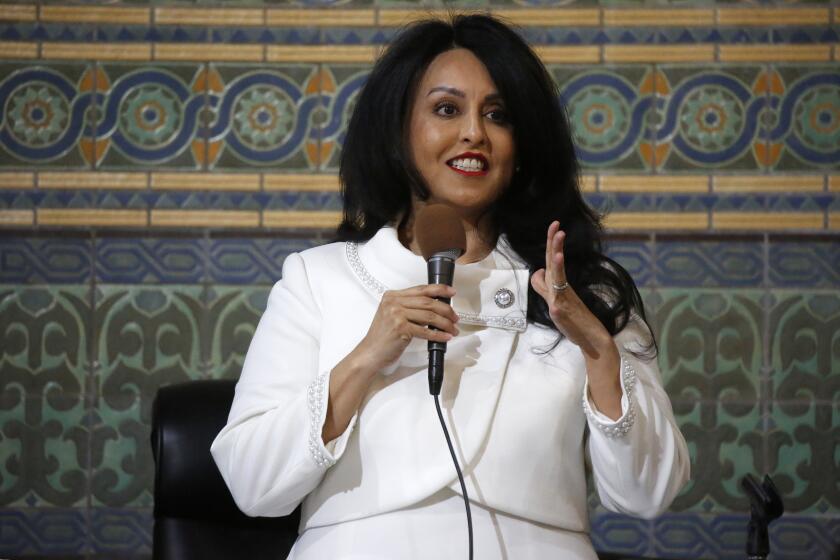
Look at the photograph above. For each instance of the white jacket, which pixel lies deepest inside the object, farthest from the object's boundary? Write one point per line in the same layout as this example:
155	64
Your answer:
517	415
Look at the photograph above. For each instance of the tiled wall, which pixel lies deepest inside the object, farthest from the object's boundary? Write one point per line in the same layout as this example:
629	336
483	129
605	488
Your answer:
158	161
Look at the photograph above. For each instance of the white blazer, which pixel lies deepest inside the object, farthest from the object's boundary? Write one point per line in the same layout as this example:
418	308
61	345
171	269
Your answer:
517	414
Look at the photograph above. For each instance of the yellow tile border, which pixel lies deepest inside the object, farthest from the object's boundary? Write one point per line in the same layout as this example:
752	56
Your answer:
17	180
834	183
209	52
769	221
320	17
95	14
300	182
91	180
301	219
649	221
773	16
322	53
97	51
90	217
834	220
654	183
210	16
630	17
400	16
589	183
18	49
205	218
768	183
704	52
775	53
17	217
569	54
553	17
18	12
206	181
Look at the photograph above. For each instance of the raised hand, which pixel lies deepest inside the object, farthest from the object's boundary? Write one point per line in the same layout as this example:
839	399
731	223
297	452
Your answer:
579	325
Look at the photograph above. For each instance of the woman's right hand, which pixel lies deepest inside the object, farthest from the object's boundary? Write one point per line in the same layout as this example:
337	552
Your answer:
403	315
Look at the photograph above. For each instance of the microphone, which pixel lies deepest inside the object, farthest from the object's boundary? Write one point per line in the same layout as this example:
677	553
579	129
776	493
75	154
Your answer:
440	235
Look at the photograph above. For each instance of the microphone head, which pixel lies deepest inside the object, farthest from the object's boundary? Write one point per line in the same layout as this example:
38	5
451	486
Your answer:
437	229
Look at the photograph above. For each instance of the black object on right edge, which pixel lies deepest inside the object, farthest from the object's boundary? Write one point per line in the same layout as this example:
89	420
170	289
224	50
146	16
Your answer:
765	506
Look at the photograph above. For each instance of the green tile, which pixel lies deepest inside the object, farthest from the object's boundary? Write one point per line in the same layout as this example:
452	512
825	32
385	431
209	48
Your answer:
43	456
158	110
40	118
233	316
713	117
268	116
601	102
805	346
804	455
811	98
710	344
725	442
147	337
122	467
44	338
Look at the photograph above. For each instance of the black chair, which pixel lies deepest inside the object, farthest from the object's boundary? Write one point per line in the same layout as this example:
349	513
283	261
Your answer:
195	516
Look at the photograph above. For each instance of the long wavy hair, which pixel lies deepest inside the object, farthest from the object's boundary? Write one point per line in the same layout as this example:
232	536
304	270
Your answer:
378	177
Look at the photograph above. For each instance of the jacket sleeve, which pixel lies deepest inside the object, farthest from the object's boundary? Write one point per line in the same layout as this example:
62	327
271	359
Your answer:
270	453
639	461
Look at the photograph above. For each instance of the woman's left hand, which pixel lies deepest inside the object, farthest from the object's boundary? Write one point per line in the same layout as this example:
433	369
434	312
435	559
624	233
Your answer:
579	325
570	315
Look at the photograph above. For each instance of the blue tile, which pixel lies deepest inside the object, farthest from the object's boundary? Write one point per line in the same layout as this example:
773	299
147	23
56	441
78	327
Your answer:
635	257
121	532
814	264
46	531
143	260
709	263
252	261
612	532
45	260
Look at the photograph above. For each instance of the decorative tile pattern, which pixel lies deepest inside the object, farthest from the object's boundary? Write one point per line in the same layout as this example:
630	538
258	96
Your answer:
45	260
694	263
234	314
145	260
692	119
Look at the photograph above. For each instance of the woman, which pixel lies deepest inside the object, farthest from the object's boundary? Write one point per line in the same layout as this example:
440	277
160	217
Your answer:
548	352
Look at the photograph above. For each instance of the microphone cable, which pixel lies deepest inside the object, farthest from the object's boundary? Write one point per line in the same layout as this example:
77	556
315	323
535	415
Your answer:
460	475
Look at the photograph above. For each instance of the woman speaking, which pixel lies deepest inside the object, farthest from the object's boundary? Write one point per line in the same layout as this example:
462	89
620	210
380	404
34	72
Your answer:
550	365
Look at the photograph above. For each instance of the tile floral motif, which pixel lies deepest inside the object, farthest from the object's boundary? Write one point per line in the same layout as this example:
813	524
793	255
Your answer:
148	116
607	108
708	118
264	116
694	263
45	115
149	260
341	85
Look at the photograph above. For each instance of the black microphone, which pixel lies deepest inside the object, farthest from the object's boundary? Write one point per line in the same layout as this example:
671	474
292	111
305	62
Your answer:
440	235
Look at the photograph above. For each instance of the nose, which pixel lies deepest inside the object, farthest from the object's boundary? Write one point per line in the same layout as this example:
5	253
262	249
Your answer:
473	132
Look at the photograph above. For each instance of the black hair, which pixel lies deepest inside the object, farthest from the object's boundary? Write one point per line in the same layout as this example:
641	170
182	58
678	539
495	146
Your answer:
378	177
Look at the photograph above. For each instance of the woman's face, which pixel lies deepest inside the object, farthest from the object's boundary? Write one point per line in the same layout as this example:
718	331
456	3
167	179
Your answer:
459	136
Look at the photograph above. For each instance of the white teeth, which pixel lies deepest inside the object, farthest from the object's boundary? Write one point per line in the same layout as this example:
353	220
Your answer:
468	164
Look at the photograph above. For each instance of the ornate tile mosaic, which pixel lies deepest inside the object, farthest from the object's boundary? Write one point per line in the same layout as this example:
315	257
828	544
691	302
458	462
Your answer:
693	119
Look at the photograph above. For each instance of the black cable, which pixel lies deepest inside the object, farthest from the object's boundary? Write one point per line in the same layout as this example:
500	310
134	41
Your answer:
458	470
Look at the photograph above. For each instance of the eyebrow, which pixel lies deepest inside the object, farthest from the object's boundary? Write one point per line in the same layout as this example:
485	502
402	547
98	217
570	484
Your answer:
458	93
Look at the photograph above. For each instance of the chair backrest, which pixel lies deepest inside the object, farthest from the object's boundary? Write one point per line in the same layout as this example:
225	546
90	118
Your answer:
195	516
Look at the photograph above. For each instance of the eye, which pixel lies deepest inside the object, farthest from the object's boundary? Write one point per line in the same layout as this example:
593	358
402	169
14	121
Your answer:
446	109
497	115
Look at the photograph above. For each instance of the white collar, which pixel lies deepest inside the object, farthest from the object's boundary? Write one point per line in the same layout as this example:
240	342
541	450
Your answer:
382	263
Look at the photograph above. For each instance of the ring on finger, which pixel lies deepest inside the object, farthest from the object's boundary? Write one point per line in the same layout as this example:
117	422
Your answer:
561	287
